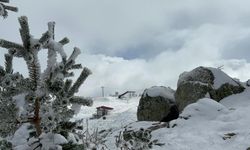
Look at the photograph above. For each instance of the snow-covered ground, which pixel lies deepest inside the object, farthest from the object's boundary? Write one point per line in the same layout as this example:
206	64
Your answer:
124	113
208	125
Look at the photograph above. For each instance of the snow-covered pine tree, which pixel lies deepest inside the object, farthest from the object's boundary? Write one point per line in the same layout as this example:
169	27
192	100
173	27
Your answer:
42	102
5	8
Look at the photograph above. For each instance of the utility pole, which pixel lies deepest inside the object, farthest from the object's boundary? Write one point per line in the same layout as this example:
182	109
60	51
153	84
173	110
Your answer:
102	91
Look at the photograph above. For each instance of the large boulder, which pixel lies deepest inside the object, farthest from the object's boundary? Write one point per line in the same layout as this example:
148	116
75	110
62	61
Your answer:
155	103
248	82
205	82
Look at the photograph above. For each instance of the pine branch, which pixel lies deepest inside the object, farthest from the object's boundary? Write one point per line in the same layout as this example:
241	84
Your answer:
51	61
51	29
8	63
45	38
76	66
16	53
25	84
25	31
2	71
10	8
74	54
10	45
67	85
64	41
69	74
11	92
71	61
74	89
3	11
58	47
5	1
51	58
4	8
81	101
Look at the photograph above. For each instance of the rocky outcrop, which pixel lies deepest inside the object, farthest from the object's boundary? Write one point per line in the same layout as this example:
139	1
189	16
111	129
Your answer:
189	92
205	82
155	103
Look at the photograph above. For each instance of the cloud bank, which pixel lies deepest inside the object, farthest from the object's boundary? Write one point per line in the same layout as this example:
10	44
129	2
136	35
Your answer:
134	44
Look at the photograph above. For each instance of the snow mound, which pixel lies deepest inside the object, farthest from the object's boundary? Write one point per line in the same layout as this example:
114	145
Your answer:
204	109
21	135
161	91
52	141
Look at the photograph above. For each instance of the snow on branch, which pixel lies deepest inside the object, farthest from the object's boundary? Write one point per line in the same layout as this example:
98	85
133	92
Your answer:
10	45
67	85
64	41
76	66
51	60
5	1
4	8
74	54
24	31
45	38
10	8
74	89
81	101
51	29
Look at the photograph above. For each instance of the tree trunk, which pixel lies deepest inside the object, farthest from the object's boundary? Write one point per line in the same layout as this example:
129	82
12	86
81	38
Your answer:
37	119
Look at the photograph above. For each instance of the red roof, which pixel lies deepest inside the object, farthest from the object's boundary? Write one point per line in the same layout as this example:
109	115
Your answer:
105	107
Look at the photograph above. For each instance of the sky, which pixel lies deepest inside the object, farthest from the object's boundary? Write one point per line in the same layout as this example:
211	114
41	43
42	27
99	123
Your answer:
136	44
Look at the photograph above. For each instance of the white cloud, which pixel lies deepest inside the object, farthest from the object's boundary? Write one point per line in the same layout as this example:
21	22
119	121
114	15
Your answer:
117	74
128	28
161	38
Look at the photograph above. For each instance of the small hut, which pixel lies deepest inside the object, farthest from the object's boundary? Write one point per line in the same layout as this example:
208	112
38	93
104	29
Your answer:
102	111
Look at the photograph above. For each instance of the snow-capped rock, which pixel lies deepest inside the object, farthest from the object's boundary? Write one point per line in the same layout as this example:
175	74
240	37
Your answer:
155	103
161	91
205	82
